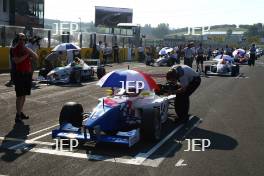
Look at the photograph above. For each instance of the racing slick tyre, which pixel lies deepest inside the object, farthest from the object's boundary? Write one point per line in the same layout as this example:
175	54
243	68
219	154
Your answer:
43	72
235	70
71	112
100	72
151	125
206	69
170	63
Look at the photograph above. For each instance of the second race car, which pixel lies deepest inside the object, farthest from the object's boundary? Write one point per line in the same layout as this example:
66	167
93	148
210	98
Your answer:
76	71
223	67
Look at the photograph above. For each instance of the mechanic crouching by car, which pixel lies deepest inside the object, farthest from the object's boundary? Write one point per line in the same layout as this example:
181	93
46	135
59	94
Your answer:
75	76
187	81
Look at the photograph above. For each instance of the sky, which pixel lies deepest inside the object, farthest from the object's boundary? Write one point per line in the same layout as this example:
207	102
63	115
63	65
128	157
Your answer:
177	13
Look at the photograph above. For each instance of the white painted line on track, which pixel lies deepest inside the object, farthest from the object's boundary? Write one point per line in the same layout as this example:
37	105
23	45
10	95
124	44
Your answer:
34	139
44	129
194	126
83	156
141	157
26	142
41	136
158	161
180	163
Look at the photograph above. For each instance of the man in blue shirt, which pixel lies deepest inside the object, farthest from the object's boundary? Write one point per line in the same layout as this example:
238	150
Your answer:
252	57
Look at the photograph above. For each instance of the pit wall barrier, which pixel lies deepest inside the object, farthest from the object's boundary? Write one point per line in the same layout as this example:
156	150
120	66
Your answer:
4	59
125	54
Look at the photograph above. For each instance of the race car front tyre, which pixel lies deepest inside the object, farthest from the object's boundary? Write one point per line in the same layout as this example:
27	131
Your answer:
151	125
100	72
71	112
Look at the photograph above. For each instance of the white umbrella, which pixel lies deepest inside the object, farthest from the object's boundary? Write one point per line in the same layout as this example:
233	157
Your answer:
116	77
240	52
66	47
165	50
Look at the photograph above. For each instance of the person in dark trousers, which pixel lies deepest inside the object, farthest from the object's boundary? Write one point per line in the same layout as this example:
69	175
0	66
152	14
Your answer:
95	52
188	81
107	53
116	53
23	77
200	57
209	53
252	57
228	51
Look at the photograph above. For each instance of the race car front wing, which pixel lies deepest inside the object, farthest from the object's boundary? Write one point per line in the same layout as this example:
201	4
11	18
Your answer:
67	131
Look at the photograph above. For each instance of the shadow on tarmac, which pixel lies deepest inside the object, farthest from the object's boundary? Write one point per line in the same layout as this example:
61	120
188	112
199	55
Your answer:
19	132
218	141
190	131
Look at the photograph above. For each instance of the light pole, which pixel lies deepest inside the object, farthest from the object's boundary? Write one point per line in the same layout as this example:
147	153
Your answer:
80	24
80	32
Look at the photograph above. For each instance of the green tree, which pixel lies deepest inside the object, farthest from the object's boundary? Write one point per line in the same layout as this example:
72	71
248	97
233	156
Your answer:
255	30
147	29
161	30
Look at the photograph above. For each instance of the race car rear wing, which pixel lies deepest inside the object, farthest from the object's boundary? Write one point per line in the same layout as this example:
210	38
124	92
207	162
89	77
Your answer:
92	62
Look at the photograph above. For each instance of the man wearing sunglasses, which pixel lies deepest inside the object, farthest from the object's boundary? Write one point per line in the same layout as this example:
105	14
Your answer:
22	57
188	81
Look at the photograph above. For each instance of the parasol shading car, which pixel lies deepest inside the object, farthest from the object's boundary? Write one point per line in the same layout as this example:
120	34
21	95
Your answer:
123	117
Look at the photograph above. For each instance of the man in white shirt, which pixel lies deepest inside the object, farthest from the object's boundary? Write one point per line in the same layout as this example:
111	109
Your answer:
188	55
188	81
107	52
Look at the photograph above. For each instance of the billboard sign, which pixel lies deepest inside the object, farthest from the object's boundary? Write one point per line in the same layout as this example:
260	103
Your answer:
111	16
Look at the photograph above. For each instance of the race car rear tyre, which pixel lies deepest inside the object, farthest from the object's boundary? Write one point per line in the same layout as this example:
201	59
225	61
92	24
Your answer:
100	72
235	70
151	125
71	112
170	63
206	69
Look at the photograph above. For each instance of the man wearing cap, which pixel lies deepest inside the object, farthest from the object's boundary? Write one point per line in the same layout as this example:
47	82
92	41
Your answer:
22	57
188	81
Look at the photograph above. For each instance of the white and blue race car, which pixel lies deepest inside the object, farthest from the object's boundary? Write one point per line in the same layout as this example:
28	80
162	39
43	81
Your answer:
122	118
72	72
224	66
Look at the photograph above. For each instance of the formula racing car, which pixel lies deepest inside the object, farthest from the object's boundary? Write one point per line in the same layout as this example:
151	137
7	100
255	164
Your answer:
75	71
123	117
223	67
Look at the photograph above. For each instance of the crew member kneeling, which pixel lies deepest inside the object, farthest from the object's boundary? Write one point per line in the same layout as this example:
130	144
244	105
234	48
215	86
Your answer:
188	81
